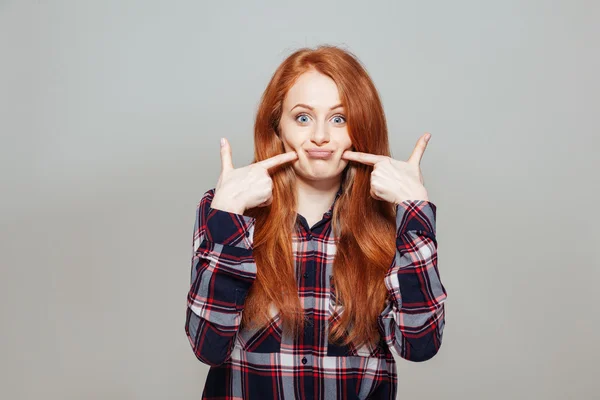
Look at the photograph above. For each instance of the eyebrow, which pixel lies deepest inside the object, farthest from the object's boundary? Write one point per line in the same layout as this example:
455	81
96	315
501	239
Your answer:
312	108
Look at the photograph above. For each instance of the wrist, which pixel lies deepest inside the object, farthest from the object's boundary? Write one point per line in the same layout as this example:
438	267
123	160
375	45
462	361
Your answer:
228	206
417	196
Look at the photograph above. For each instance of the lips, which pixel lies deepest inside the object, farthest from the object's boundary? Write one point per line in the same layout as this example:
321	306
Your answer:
322	154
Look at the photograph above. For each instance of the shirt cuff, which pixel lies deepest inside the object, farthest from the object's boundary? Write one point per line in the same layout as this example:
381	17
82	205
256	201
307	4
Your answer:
230	229
415	215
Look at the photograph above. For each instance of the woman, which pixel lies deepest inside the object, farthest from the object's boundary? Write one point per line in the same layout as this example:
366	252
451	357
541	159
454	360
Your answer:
317	261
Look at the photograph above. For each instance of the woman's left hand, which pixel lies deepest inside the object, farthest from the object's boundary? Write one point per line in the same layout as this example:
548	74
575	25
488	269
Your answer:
394	180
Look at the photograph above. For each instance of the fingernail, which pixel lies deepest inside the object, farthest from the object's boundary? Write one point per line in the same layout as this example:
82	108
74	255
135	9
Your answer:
222	142
427	137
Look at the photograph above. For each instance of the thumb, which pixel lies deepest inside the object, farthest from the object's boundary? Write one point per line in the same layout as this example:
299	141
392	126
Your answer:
226	163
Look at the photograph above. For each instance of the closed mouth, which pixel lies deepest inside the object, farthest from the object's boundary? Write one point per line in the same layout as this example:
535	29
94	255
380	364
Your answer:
319	154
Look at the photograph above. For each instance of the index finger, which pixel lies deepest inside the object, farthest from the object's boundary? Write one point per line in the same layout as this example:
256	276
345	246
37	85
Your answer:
278	159
365	158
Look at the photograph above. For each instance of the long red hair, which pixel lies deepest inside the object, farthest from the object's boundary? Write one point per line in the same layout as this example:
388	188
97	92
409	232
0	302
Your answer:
365	226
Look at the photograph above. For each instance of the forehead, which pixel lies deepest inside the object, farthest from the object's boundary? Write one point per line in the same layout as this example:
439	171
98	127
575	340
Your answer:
314	89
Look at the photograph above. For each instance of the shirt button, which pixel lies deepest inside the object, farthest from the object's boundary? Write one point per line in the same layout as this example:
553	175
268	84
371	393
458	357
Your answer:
305	275
303	360
247	233
309	236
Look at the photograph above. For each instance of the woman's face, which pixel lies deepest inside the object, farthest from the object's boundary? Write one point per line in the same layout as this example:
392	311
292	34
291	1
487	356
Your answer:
313	119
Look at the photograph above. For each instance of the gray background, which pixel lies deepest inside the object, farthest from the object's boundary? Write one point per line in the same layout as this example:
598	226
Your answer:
111	114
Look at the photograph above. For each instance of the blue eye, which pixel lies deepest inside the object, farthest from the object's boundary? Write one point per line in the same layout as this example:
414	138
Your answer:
302	115
340	117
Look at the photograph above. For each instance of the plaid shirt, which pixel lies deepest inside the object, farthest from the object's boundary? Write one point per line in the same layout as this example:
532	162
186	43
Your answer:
263	363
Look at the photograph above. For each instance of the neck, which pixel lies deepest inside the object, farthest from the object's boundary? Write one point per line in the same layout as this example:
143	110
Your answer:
313	198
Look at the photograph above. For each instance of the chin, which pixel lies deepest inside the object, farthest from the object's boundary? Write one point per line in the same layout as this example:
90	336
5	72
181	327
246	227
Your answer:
317	177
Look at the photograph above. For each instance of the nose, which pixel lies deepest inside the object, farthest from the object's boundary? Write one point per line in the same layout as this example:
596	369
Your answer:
320	134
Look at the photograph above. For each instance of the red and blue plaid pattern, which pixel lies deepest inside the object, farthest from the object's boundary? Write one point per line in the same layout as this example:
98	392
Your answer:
264	363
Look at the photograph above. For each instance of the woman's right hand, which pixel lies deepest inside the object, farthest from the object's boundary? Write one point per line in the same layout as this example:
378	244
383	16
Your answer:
239	189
